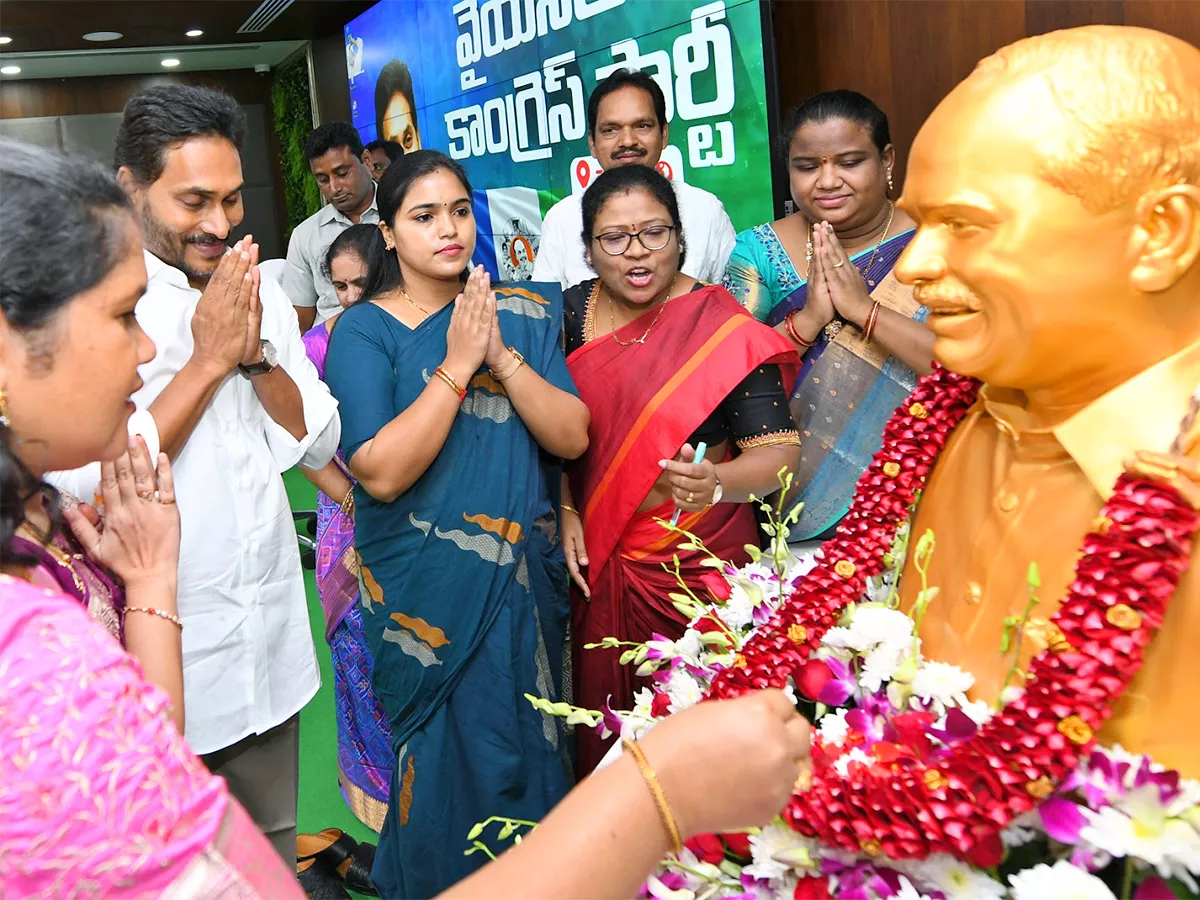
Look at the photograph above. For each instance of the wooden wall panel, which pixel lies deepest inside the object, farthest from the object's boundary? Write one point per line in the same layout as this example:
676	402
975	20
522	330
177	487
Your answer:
906	55
108	94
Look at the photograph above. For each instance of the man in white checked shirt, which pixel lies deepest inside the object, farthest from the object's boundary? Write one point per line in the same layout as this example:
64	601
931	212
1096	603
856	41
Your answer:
232	398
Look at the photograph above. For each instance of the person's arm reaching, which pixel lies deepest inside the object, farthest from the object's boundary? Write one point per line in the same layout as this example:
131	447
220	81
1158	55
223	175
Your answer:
607	836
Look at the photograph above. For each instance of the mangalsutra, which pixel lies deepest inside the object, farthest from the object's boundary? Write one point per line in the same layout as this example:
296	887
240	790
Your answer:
612	315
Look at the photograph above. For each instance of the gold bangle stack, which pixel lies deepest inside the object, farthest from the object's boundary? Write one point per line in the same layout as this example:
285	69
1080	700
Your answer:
504	376
348	502
451	383
660	798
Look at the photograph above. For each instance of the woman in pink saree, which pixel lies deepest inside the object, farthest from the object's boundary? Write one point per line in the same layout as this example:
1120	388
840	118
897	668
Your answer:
99	795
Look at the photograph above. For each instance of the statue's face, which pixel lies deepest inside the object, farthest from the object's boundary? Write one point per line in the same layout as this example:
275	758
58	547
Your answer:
1025	287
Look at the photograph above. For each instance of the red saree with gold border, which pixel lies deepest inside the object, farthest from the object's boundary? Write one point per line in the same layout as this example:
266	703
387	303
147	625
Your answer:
646	400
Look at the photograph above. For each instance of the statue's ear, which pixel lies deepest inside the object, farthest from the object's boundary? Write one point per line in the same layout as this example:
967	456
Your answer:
1168	237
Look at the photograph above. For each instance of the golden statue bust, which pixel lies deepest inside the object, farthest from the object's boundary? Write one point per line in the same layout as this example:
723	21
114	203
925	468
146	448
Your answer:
1057	196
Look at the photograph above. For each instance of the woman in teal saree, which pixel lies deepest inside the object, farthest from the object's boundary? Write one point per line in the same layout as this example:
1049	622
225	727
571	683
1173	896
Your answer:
823	278
456	405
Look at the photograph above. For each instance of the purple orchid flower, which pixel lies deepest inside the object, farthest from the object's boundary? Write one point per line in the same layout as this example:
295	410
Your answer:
959	727
1063	819
841	687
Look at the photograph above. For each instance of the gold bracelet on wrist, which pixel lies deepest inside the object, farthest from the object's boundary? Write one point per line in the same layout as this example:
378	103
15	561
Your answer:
504	376
660	798
151	611
566	507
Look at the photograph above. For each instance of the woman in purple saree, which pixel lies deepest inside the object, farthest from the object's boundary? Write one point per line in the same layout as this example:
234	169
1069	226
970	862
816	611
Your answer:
365	755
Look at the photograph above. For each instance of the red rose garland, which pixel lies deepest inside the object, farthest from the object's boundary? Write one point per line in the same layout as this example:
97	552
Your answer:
1128	573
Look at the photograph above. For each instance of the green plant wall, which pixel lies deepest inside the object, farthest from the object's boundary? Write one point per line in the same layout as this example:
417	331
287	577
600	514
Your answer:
292	105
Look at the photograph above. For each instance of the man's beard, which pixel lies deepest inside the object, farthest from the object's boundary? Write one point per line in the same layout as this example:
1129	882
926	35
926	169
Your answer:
169	246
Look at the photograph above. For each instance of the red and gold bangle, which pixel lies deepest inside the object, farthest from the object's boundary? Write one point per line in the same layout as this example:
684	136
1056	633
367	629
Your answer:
451	383
872	318
790	328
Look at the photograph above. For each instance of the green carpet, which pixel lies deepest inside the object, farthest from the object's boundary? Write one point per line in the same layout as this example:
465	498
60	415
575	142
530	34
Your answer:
321	804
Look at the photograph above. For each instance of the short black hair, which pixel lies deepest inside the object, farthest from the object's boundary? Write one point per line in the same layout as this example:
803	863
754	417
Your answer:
330	136
839	104
623	180
394	78
623	78
167	113
392	148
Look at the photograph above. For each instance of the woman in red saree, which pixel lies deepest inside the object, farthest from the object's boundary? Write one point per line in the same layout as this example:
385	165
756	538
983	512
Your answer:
663	363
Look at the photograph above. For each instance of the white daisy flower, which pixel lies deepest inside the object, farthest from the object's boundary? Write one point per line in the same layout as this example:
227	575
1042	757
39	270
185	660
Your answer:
942	685
1062	881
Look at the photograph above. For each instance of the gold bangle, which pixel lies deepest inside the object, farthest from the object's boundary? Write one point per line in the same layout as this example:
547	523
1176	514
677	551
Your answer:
449	380
660	798
151	611
348	502
520	361
565	507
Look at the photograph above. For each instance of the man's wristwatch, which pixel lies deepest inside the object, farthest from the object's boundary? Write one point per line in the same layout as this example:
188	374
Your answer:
718	492
268	362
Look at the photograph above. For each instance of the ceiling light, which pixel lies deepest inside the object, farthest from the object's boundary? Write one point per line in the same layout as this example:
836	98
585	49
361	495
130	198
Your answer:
101	36
195	32
170	63
10	70
5	39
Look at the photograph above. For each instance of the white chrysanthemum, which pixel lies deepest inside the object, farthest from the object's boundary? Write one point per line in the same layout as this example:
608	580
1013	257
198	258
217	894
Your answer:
908	892
683	691
881	636
842	764
738	611
777	851
953	877
942	685
1062	881
1023	829
1171	846
833	728
979	711
880	664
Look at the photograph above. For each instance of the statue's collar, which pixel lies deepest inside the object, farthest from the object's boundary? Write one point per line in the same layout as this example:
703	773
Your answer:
1142	414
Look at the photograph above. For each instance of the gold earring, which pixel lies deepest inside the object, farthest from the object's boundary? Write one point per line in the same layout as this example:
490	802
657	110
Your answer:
388	246
4	422
891	187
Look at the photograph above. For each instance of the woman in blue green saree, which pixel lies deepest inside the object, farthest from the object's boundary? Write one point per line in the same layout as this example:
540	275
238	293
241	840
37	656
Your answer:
456	405
823	278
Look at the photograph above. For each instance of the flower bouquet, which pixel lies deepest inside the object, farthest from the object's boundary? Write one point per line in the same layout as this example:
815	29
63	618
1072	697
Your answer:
915	790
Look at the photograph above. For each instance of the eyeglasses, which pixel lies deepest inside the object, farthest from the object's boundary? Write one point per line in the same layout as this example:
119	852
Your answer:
614	243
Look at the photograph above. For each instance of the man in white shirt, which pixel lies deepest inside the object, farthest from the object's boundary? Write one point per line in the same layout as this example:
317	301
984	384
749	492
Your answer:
627	126
337	159
232	398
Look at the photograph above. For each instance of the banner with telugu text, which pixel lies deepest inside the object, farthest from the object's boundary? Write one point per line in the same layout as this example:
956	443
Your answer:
502	87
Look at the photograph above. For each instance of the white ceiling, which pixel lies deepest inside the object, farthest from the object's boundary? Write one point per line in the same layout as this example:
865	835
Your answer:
145	60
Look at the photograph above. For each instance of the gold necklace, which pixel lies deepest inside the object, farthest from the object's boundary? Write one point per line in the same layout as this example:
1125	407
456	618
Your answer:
60	556
808	247
417	306
662	305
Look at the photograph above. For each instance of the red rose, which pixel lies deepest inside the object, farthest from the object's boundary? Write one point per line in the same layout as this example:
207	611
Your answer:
738	844
812	887
708	848
987	852
660	706
717	585
813	676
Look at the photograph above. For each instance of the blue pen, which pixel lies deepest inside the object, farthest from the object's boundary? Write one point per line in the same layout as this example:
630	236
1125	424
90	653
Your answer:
701	449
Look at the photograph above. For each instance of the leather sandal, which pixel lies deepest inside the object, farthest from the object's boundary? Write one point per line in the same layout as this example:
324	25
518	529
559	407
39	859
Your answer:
341	855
